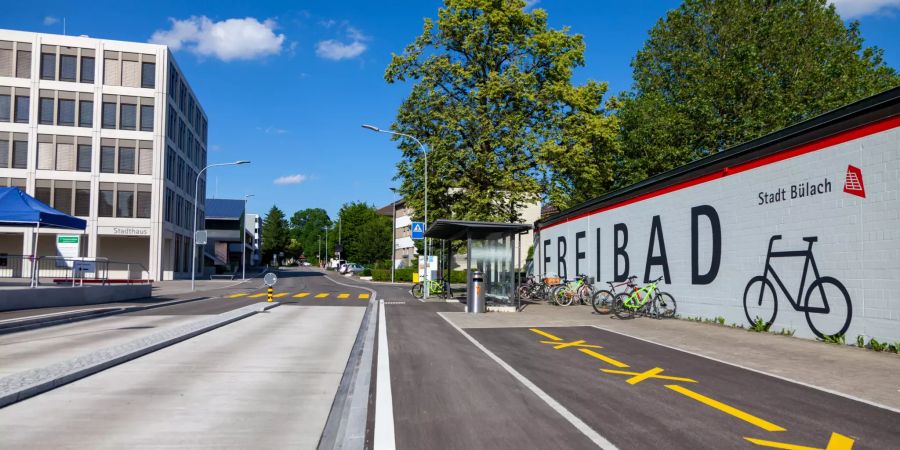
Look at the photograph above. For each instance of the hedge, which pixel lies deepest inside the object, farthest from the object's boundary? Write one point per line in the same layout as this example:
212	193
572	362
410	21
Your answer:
405	275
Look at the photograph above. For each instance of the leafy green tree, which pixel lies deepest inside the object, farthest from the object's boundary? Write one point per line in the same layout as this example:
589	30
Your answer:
275	234
494	103
306	227
716	73
365	234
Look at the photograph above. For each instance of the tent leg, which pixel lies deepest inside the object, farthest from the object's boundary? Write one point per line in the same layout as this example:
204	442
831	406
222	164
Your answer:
34	259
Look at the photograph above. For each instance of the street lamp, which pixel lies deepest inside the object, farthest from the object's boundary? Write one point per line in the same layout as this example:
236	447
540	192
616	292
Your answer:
244	240
326	245
425	152
194	234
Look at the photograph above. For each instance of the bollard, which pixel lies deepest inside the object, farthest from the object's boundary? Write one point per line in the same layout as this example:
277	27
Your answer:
270	293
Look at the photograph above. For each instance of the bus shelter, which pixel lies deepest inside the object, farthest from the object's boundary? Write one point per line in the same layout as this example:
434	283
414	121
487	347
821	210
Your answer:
491	249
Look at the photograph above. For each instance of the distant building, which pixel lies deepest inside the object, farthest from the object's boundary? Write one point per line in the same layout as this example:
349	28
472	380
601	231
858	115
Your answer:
108	131
226	222
252	225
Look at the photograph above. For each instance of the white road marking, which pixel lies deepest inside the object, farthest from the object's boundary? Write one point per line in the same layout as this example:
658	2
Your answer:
789	380
572	418
384	402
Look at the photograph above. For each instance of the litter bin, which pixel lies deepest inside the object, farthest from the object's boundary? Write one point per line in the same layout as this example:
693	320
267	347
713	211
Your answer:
475	303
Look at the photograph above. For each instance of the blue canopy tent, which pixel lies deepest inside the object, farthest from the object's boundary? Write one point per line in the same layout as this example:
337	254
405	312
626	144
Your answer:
18	209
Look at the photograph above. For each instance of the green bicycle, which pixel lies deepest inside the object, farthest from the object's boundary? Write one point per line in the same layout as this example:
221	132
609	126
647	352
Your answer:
579	289
437	288
647	300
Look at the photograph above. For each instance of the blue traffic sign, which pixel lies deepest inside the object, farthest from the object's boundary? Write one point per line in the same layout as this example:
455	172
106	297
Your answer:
418	230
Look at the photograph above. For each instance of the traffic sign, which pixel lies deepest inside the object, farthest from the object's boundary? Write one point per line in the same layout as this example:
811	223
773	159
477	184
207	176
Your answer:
418	230
270	279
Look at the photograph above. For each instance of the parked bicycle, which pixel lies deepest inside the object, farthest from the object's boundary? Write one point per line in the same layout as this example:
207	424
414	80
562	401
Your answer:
581	289
436	288
533	288
602	301
761	301
647	300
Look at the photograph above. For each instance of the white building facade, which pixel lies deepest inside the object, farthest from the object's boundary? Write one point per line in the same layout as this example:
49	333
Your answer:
108	131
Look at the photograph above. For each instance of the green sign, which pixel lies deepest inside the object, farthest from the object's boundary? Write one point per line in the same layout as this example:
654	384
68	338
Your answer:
67	239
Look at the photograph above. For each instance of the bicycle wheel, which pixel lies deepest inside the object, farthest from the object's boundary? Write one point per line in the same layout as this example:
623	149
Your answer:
832	318
585	295
417	290
524	292
666	305
760	301
621	308
602	302
563	296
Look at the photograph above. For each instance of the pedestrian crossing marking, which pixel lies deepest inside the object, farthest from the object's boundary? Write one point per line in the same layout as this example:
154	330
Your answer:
236	295
343	295
363	295
322	295
301	295
280	294
261	294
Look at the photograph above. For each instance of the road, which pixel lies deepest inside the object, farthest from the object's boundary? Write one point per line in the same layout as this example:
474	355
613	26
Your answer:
269	381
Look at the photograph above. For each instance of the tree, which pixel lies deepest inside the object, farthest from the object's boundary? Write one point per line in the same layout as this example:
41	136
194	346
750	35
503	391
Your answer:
366	235
716	73
494	103
275	235
306	227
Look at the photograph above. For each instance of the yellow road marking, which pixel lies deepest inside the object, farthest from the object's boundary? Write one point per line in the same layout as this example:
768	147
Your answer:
301	295
545	334
236	295
363	295
261	294
746	417
557	345
603	358
837	442
343	295
280	294
637	377
322	295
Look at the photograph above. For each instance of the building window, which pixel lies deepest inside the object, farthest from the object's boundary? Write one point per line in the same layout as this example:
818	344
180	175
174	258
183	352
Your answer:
84	158
4	157
112	72
67	67
126	160
124	200
65	157
45	156
105	203
6	62
62	196
45	111
66	113
107	159
87	69
5	108
128	117
43	193
20	155
146	117
83	199
148	75
143	203
48	66
131	74
23	103
23	64
109	115
145	161
86	113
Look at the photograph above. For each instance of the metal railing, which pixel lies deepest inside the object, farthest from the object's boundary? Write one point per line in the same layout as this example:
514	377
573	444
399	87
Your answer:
22	269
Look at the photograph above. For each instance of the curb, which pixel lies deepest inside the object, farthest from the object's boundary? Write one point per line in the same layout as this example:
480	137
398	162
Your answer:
20	386
30	323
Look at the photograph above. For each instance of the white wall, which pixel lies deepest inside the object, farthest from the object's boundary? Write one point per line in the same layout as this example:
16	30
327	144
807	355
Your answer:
858	239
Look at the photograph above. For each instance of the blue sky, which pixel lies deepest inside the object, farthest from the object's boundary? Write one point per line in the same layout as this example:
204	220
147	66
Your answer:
315	74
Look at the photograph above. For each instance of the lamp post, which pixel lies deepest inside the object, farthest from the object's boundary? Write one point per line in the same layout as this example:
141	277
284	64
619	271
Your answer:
326	245
194	234
244	240
393	232
425	152
319	252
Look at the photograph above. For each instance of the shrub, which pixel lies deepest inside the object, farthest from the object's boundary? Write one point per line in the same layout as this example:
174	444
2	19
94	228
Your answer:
400	275
458	276
367	272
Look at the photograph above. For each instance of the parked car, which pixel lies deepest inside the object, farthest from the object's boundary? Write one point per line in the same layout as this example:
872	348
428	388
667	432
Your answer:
352	268
305	264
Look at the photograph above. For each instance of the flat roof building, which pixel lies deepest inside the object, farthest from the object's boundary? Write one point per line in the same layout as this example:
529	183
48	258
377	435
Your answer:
108	131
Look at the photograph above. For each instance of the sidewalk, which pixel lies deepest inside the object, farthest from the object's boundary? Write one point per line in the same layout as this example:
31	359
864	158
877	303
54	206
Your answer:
854	372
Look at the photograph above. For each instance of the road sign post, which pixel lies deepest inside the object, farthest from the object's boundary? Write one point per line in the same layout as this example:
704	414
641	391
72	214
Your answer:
270	279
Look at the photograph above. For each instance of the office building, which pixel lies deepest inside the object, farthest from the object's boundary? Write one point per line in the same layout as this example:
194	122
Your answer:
108	131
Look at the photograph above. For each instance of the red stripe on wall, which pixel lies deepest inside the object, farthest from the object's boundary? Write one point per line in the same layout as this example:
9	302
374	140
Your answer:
840	138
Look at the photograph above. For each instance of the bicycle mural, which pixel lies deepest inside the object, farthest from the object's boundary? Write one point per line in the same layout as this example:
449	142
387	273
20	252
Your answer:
826	303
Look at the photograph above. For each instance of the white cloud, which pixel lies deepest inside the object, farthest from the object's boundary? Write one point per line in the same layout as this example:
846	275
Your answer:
289	179
854	9
530	3
272	130
336	50
228	40
50	20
